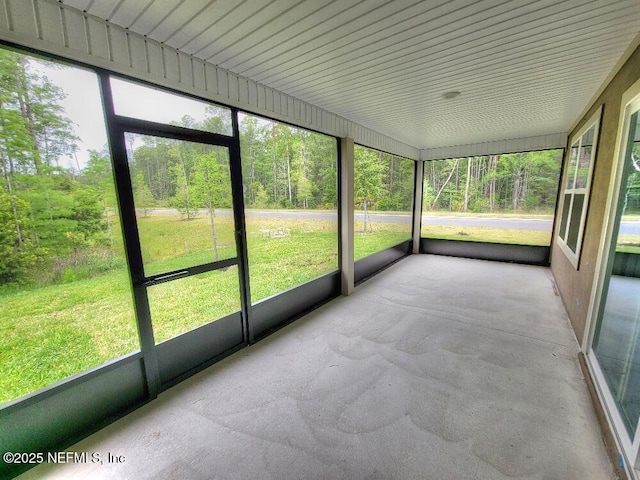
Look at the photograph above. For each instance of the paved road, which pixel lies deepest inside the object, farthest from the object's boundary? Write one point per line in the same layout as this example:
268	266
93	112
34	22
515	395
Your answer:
545	225
502	223
630	228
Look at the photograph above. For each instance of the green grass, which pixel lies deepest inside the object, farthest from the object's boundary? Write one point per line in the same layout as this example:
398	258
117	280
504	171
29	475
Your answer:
170	242
182	305
628	249
493	235
384	235
52	332
628	244
287	253
49	333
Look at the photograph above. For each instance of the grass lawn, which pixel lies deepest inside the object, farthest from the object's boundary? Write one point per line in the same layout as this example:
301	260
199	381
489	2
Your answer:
384	235
187	303
493	235
628	248
486	234
170	242
628	243
48	333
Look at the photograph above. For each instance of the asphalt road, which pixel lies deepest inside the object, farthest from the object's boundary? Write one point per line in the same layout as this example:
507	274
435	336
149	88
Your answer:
487	222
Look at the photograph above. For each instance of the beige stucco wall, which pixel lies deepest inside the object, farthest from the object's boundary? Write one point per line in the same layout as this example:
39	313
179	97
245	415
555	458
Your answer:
575	286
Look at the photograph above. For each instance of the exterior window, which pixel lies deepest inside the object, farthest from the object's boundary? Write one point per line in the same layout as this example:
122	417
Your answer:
575	198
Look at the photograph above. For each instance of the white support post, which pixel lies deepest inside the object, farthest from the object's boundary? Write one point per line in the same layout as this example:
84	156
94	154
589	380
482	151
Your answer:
417	206
346	215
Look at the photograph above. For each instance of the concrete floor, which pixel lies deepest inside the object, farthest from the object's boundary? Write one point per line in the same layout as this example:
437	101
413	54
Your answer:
438	368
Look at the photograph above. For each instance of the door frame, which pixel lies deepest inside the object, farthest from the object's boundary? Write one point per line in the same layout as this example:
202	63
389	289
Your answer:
629	447
164	366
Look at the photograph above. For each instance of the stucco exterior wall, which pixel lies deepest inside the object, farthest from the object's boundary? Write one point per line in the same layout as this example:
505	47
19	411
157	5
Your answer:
575	285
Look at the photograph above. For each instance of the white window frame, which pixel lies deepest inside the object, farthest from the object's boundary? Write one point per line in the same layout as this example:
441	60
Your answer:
562	236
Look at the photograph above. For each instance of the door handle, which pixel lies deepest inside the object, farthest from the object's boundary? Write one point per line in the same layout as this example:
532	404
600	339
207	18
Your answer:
166	278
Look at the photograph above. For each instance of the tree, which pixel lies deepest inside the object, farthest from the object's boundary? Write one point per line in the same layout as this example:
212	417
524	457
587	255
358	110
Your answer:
248	141
52	130
98	174
183	199
16	253
368	178
519	172
521	181
632	183
489	181
398	183
154	159
62	215
305	190
212	188
261	196
87	213
15	140
454	167
218	120
304	187
293	167
37	112
142	195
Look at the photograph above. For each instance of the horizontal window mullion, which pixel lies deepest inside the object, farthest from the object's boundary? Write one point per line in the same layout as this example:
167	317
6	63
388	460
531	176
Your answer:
188	272
572	191
145	127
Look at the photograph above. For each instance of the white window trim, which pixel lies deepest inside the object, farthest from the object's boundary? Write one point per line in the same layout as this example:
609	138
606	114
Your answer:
574	258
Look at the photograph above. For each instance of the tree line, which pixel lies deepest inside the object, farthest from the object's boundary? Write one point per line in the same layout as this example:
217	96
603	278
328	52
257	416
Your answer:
518	182
282	167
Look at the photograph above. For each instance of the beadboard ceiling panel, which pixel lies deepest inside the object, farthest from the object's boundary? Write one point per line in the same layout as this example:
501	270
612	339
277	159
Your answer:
524	68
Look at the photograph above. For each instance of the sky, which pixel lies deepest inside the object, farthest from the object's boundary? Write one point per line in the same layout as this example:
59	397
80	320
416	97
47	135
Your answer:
83	106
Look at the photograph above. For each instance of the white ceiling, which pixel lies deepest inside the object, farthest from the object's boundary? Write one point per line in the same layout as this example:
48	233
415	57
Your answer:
523	67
